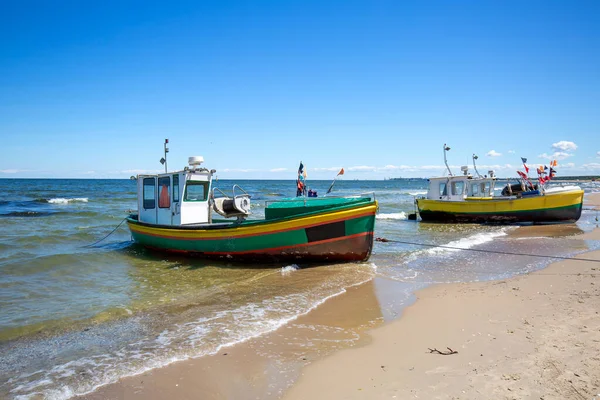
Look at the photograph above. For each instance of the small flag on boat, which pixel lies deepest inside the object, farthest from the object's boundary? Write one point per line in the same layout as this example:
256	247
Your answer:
300	183
333	183
524	164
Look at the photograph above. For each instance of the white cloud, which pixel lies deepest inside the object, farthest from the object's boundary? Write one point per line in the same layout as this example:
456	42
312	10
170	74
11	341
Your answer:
567	165
564	146
362	168
557	155
493	153
598	153
591	166
9	171
511	152
332	169
278	169
391	167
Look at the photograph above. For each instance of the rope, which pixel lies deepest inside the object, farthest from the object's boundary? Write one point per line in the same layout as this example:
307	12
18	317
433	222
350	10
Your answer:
384	240
113	231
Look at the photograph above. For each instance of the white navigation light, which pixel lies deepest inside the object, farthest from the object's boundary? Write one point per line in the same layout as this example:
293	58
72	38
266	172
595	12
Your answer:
196	160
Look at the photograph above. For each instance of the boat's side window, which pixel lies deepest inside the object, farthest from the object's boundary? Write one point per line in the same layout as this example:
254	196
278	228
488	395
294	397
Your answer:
457	188
164	183
474	189
149	193
175	188
443	190
196	191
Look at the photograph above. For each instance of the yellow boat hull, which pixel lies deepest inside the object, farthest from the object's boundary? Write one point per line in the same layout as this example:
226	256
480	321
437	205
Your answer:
555	207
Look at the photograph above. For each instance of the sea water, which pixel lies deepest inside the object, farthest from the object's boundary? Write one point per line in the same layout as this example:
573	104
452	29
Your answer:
82	306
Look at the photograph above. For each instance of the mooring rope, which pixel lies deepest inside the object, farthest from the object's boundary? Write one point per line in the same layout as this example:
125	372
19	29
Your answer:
113	231
384	240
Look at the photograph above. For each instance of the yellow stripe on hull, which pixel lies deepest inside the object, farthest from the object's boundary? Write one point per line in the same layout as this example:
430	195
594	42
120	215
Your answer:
255	229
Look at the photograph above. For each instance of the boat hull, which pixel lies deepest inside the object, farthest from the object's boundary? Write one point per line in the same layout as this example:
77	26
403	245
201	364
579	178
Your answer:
549	208
344	234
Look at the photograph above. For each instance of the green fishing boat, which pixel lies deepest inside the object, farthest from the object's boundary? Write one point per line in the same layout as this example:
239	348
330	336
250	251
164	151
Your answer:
181	212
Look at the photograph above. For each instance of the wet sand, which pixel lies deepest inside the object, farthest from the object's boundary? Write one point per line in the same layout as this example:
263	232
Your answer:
532	336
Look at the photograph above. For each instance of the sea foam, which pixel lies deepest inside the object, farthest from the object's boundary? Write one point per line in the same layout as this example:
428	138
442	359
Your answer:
467	243
67	201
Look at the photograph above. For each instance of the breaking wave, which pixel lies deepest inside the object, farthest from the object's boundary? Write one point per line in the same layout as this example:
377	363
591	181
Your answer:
400	215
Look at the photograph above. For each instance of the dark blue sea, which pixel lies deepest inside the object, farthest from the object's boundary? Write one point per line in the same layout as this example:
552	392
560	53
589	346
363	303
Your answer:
82	306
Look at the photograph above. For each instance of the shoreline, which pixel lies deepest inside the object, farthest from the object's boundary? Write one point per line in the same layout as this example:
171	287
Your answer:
387	359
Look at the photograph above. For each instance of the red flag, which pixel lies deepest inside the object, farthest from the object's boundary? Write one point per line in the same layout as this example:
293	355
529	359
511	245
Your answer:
341	172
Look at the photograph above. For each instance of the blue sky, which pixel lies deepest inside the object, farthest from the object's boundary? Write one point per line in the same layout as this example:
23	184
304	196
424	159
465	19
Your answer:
92	89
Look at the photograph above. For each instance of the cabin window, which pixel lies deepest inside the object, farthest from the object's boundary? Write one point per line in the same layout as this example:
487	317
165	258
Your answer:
175	188
474	189
457	188
164	183
149	193
443	191
196	191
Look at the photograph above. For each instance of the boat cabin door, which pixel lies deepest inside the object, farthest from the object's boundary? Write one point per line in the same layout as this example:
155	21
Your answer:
168	211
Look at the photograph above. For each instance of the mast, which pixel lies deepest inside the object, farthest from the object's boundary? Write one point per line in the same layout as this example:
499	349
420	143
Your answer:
474	166
163	160
446	148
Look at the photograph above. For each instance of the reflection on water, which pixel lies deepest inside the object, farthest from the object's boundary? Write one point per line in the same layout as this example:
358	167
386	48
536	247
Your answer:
555	230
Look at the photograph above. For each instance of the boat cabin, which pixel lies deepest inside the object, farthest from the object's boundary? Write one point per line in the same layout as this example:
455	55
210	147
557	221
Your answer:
461	187
185	197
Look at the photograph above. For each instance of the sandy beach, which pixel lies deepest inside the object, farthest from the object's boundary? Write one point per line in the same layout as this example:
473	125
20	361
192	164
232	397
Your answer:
534	336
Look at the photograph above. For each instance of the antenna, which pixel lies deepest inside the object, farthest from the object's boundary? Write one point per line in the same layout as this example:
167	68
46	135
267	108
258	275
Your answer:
446	148
163	160
474	166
